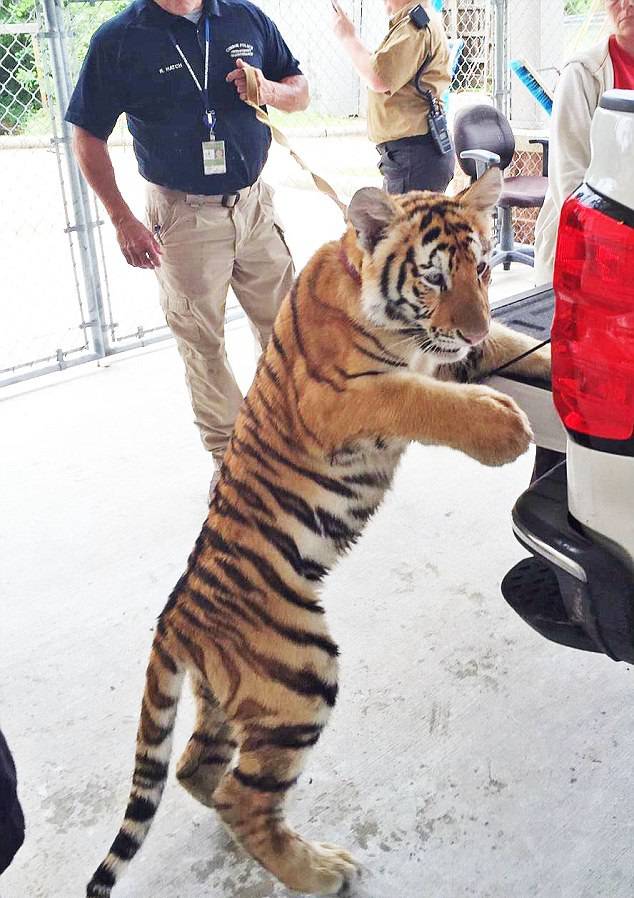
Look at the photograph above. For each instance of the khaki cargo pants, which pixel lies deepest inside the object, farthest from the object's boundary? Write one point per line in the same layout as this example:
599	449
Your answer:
208	248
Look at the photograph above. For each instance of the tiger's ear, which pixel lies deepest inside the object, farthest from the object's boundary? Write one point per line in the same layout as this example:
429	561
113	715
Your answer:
484	194
371	212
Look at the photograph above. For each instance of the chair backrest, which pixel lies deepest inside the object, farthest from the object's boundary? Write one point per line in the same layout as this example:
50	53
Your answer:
483	128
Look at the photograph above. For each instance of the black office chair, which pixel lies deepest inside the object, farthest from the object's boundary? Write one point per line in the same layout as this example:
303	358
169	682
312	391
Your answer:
483	137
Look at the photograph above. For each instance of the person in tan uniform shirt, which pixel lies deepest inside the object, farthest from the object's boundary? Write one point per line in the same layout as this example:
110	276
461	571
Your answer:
412	60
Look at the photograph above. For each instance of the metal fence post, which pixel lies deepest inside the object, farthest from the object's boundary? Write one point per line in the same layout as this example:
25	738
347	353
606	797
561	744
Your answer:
501	51
83	224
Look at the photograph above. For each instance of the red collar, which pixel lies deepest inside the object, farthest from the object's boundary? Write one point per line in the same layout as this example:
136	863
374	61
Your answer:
354	273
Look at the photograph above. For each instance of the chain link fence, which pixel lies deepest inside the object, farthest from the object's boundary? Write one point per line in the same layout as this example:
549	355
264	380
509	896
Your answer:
68	295
21	69
33	223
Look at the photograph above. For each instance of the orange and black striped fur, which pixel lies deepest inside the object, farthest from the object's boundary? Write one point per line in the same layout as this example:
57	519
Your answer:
360	363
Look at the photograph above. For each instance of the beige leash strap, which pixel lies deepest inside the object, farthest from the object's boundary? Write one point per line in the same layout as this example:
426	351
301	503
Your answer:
253	99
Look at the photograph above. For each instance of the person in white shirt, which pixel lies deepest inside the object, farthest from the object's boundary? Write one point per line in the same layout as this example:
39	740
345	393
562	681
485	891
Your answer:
585	78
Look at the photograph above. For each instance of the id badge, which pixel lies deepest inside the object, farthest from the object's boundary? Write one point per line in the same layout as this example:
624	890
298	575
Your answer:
214	158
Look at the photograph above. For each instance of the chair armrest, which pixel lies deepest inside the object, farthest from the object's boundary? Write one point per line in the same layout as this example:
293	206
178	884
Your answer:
482	158
545	144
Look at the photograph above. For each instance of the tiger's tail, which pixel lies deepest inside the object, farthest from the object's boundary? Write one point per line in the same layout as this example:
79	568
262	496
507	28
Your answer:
163	684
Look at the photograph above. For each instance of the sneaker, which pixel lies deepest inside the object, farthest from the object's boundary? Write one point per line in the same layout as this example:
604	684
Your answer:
212	485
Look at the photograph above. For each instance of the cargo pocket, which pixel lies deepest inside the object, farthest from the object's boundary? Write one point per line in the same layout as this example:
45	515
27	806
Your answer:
180	319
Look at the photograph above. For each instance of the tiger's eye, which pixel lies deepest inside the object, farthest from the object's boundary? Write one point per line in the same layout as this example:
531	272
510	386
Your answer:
434	279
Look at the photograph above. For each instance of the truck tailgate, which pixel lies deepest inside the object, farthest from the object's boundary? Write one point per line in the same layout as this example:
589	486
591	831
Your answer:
531	313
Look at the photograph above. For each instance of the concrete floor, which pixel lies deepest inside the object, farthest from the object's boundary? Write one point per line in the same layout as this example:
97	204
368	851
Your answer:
466	756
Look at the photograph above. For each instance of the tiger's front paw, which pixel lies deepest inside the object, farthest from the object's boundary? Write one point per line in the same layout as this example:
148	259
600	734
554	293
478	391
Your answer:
497	430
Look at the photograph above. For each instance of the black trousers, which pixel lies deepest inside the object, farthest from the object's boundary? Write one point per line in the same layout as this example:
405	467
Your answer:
414	163
11	817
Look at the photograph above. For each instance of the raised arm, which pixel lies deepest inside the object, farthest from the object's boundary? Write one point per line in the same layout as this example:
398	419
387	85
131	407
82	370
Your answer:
359	54
290	94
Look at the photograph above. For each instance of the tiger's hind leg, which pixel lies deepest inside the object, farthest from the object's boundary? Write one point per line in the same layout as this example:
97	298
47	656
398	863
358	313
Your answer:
210	748
250	800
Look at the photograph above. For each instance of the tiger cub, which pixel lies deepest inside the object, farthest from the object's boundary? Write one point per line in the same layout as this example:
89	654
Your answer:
359	364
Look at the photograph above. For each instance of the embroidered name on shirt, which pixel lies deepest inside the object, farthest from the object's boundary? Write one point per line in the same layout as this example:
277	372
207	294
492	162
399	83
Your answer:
237	51
170	68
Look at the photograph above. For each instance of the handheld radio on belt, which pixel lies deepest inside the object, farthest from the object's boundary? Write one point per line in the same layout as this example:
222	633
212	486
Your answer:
436	118
437	121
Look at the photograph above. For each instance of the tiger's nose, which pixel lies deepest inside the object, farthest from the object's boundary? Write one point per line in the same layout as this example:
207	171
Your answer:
475	336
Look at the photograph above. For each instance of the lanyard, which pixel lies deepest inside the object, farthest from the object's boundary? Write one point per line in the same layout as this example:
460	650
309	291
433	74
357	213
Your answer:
209	115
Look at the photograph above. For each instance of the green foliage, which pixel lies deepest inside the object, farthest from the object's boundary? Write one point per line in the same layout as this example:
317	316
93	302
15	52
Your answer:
19	92
577	7
84	19
20	64
17	11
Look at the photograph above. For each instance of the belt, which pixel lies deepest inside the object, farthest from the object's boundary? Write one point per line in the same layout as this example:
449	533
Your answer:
417	140
228	200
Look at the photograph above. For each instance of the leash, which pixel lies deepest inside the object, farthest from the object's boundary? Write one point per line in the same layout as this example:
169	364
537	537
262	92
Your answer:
253	100
519	358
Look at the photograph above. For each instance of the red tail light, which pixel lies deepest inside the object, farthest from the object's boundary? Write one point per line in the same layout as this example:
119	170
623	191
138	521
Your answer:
593	331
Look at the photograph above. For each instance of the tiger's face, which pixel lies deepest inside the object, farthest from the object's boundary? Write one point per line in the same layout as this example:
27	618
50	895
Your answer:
425	269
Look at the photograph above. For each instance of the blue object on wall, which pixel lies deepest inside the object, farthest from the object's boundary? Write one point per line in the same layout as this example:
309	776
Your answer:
438	5
456	47
532	82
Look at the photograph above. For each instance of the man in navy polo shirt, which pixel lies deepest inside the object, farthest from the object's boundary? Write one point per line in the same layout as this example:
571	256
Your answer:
175	67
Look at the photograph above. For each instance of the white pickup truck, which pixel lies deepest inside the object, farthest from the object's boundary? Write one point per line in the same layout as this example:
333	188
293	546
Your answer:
577	520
